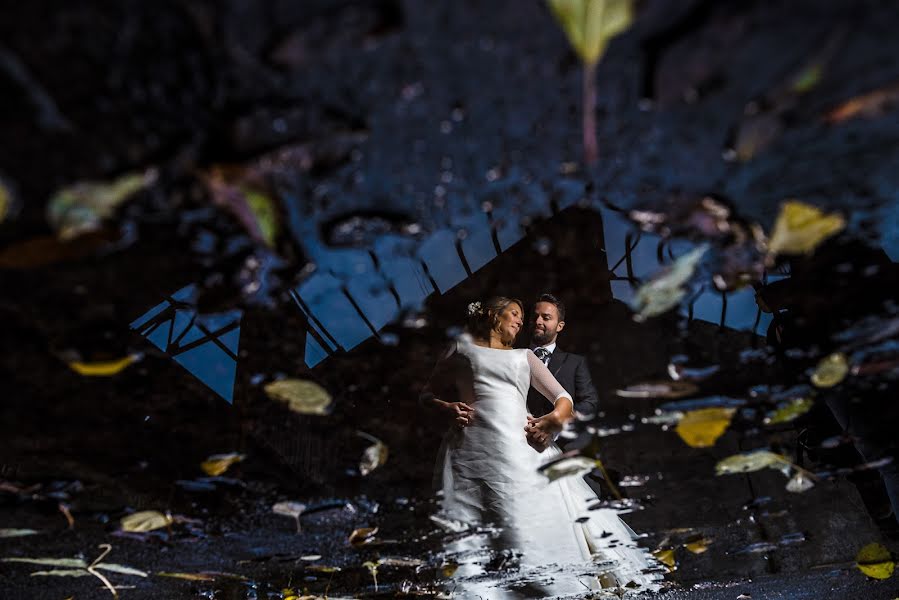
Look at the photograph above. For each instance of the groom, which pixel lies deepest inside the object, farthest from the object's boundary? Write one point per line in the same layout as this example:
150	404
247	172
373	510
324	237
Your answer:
570	370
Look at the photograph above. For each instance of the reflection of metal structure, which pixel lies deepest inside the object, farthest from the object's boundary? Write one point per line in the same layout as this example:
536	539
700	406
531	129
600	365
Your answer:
633	256
205	345
354	293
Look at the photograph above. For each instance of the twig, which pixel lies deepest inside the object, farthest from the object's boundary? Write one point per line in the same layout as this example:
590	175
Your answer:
107	548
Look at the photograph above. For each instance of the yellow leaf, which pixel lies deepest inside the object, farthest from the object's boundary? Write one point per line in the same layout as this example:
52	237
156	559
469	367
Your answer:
666	557
217	464
147	520
449	569
103	368
750	461
698	546
301	396
831	370
874	560
591	24
701	428
263	209
800	228
795	408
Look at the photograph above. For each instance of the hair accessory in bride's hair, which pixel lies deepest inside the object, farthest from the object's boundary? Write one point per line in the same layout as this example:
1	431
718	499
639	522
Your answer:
474	308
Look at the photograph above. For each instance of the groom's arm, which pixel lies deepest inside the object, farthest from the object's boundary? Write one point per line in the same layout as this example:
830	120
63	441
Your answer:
586	400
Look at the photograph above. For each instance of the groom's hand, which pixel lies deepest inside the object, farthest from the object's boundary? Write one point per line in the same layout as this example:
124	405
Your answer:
461	413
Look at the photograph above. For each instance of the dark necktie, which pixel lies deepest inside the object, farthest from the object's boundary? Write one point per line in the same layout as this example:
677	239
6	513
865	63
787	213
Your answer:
543	354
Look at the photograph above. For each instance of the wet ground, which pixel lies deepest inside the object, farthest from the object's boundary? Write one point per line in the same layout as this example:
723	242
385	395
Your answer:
413	158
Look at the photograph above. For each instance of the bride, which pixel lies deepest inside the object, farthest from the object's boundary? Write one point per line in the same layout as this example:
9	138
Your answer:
487	472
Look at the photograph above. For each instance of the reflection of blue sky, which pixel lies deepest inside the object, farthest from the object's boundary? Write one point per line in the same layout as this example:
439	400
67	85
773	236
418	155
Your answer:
354	293
173	328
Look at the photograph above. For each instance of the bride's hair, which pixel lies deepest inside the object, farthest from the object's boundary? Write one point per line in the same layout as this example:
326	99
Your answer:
482	316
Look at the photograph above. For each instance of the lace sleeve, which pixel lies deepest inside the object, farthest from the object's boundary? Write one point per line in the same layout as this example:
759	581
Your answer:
544	382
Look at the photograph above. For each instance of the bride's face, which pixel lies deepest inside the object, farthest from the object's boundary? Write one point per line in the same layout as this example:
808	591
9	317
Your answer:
509	323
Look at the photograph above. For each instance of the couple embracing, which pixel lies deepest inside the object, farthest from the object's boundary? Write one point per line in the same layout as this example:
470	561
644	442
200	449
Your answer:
487	467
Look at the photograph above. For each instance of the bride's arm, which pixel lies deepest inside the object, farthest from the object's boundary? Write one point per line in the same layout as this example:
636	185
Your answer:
544	382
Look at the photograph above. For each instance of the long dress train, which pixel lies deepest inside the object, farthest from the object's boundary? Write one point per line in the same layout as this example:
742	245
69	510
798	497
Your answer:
487	475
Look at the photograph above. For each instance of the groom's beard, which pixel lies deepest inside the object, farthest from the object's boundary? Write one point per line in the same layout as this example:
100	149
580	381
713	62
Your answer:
541	339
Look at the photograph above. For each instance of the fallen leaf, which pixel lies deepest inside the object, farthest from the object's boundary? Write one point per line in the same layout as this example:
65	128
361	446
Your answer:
363	535
750	461
81	207
698	546
122	569
217	464
62	573
800	482
396	561
666	289
790	411
103	368
831	370
187	576
568	466
147	520
265	213
10	533
666	557
868	105
373	456
449	569
591	24
658	389
48	250
874	560
800	228
302	396
290	509
70	563
702	428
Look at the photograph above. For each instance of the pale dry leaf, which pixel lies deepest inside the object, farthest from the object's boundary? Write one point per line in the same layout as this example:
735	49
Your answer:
571	466
301	396
11	533
750	461
666	289
146	520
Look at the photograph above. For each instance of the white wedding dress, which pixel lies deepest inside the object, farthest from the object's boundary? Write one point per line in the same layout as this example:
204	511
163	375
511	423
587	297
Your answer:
504	509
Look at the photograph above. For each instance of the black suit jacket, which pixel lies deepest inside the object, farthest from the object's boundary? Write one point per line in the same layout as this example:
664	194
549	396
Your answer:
571	371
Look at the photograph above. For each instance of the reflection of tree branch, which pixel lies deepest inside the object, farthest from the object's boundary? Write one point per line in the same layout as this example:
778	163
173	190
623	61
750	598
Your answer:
48	115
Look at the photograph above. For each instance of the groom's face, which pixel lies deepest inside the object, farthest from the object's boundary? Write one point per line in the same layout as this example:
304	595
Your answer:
546	324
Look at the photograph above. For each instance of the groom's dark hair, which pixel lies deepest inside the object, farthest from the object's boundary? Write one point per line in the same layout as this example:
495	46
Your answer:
560	306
